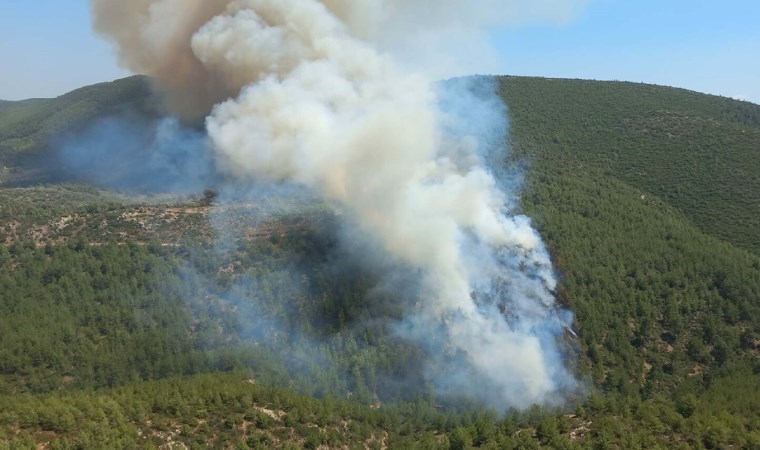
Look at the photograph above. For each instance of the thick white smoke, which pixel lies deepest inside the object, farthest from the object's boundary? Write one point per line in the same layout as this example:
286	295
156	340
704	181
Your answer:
308	91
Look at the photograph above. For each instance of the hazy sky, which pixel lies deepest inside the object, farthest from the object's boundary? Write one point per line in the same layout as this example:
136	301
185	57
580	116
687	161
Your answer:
47	47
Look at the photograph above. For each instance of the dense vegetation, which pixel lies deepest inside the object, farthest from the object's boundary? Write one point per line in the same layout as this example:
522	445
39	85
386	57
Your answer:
28	124
666	291
694	152
130	322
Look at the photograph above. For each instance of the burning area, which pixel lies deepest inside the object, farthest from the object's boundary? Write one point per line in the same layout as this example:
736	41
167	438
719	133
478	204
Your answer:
338	97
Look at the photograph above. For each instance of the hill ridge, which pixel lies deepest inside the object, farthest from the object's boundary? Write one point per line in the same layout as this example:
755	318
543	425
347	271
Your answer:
127	324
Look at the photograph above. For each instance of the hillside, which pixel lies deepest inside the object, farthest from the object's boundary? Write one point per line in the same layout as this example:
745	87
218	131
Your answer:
147	321
28	126
697	153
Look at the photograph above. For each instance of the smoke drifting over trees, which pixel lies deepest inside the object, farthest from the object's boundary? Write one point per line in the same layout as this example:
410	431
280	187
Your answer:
318	94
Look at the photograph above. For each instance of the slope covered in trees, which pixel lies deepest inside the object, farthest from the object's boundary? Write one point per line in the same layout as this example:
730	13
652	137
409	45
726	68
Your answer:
132	322
694	152
30	130
28	124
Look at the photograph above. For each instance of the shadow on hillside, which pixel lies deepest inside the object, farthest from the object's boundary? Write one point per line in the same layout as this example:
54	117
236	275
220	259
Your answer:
128	152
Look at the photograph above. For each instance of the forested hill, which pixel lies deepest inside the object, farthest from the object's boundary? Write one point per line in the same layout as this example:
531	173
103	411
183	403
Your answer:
697	153
142	322
27	125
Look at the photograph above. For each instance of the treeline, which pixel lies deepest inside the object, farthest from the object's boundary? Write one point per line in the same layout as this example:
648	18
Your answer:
237	410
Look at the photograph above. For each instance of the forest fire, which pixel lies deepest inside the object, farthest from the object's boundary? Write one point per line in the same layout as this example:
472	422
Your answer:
312	93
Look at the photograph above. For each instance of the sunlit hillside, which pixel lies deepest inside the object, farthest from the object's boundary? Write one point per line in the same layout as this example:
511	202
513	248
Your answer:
132	321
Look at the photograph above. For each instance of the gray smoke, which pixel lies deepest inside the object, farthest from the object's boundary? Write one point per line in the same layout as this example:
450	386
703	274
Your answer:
310	92
129	153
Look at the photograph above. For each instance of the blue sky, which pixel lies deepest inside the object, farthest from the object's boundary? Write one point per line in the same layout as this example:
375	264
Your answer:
47	47
707	46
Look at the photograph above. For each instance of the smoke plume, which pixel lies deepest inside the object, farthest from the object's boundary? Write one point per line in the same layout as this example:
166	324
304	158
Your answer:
143	156
320	93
